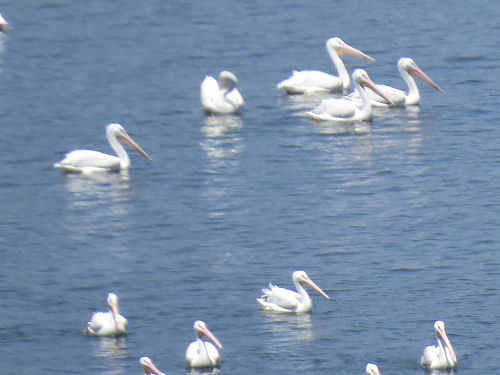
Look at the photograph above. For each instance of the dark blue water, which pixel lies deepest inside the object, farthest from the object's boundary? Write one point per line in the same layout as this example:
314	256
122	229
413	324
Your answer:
397	219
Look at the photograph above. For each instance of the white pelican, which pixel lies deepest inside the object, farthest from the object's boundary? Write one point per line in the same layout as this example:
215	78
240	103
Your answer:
109	323
407	68
86	161
310	81
221	97
149	367
201	353
442	356
372	369
3	24
348	110
283	300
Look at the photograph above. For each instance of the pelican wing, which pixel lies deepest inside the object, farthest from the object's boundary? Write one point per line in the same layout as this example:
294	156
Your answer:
310	81
396	95
213	353
209	90
235	97
279	299
330	109
196	358
192	352
80	159
98	321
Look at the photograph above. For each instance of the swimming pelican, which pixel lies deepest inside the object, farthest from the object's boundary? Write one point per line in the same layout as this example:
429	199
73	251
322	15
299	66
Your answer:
407	68
109	323
443	355
348	110
86	161
202	353
3	24
149	367
221	97
283	300
372	369
310	81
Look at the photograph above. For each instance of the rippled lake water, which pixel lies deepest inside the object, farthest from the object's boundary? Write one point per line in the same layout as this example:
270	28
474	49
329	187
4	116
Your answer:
397	219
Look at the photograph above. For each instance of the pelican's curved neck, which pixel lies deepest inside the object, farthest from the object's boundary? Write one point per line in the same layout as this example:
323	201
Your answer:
413	96
339	65
202	350
302	291
115	319
120	151
365	111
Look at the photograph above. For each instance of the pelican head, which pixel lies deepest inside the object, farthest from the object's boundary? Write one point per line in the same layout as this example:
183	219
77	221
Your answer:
149	367
227	81
372	369
441	334
342	48
201	330
116	131
407	64
112	301
362	79
302	278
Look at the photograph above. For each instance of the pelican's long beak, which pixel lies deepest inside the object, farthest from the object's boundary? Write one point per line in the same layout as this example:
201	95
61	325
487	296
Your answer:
443	336
115	311
311	284
417	72
208	334
367	82
346	49
149	366
128	140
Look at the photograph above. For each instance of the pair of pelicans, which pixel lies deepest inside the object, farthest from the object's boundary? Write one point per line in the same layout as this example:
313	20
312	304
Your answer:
202	354
222	97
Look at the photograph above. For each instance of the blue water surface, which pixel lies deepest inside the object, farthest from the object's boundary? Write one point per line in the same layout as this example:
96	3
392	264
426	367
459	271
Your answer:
397	219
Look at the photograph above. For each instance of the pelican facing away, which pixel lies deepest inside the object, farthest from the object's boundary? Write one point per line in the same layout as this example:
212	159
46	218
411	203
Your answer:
442	356
202	353
311	81
372	369
407	68
348	110
109	323
221	97
86	161
149	367
283	300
